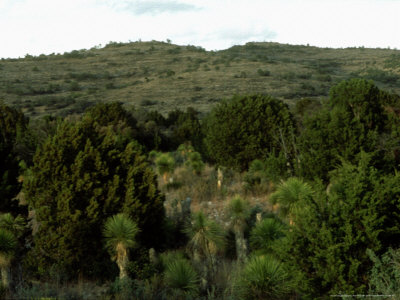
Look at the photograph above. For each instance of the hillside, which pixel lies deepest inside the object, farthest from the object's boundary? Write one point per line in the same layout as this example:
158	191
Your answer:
163	76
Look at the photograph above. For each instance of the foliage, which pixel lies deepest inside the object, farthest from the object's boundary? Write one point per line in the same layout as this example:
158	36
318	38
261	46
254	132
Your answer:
119	229
385	273
246	128
264	277
352	121
206	237
12	124
289	194
333	229
194	162
120	233
165	164
181	278
81	176
263	235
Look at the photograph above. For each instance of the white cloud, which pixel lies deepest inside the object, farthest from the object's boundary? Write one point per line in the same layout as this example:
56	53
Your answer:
45	26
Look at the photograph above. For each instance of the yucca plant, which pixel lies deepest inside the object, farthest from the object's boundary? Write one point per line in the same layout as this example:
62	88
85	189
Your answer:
15	225
206	238
288	193
264	277
181	278
165	165
8	244
120	233
265	233
238	212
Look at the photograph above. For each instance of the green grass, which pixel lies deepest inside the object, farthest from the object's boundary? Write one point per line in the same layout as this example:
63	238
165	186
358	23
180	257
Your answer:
164	76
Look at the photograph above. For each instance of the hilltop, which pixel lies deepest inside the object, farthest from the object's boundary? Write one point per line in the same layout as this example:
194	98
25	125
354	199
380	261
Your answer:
163	76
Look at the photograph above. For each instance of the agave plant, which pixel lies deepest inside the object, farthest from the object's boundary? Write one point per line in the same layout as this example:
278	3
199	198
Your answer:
264	277
119	233
265	233
8	244
181	278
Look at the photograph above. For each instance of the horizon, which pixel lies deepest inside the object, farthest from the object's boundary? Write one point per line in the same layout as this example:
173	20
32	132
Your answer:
37	27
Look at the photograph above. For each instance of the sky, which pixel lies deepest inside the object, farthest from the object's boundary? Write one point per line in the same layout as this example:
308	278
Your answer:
57	26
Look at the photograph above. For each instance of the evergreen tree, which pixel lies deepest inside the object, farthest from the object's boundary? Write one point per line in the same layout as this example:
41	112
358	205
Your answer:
81	176
246	128
333	229
12	124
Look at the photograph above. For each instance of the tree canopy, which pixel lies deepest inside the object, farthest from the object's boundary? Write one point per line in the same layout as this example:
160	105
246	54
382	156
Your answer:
245	128
81	176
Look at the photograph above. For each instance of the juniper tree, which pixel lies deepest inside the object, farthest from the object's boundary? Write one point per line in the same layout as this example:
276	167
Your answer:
82	175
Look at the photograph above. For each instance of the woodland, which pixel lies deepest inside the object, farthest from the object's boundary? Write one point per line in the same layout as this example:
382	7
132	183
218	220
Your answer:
253	198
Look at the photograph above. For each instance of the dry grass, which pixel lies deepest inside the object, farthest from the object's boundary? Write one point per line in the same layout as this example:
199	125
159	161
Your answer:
205	195
162	76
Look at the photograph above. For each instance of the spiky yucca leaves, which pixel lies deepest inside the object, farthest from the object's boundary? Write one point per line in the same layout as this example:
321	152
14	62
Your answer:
181	278
165	165
238	212
289	193
264	277
265	233
8	244
206	236
15	225
120	233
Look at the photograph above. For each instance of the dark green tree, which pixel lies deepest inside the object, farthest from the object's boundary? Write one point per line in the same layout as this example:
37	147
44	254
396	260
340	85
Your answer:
353	120
245	128
333	229
81	176
12	124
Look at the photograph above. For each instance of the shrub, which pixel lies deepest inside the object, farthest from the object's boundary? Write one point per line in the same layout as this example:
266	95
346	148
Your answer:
264	277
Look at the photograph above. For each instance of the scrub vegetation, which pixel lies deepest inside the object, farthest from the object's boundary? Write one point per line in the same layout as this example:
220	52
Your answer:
250	197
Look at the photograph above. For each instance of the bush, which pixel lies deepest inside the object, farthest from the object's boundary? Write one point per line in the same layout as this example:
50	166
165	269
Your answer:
245	128
264	277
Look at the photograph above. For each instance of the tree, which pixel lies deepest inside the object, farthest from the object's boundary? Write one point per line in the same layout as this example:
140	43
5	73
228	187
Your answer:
120	233
333	229
353	120
81	176
238	212
246	128
12	124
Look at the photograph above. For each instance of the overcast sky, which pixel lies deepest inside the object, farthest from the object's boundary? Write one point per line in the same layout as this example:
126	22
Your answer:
46	26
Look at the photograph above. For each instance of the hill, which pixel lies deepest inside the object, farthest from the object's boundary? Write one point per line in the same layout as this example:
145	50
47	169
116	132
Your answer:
163	76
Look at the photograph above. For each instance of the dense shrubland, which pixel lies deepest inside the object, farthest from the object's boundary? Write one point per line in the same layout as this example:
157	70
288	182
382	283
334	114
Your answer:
252	201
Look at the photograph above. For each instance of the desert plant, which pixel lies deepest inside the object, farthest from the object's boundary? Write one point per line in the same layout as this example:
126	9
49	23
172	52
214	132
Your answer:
238	211
264	234
165	165
119	233
194	162
14	225
290	192
181	278
264	277
8	244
